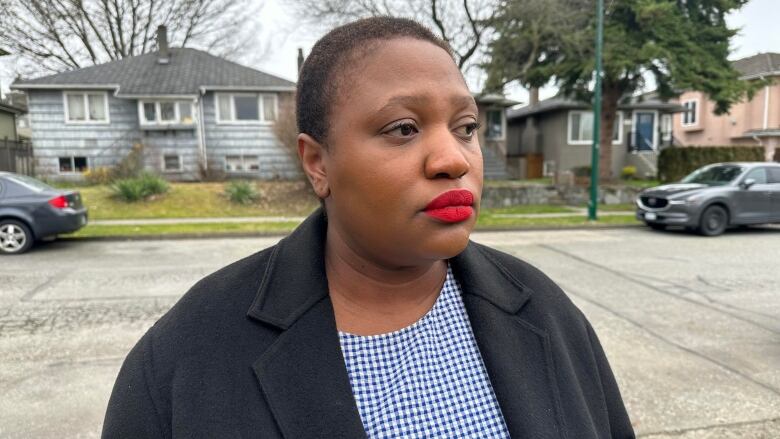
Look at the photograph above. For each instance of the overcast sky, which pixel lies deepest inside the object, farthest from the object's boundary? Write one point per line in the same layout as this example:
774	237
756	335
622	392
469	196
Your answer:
281	34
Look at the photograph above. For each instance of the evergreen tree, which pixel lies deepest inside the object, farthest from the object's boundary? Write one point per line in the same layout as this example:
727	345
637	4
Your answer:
682	44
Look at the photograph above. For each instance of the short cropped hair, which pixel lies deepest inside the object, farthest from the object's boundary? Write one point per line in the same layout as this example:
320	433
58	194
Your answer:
333	55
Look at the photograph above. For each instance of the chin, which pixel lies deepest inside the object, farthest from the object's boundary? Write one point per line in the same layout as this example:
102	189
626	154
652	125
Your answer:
451	242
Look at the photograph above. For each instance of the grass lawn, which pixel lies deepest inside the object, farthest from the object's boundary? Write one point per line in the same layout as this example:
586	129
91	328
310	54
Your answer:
202	200
490	222
207	200
211	229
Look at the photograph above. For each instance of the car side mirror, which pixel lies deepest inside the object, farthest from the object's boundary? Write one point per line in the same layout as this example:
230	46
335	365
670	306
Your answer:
748	182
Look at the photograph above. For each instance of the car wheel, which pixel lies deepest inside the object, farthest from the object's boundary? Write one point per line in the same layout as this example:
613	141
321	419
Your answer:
656	226
15	237
713	221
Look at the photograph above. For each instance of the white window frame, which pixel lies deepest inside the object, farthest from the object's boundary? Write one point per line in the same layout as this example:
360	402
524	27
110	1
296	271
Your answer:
243	164
181	164
666	122
685	113
503	124
158	113
569	130
232	121
72	164
87	120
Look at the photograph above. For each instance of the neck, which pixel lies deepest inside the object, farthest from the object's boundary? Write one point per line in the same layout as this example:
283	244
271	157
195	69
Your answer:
373	298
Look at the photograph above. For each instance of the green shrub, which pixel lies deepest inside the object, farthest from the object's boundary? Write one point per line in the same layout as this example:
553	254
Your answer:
581	171
140	188
241	192
628	173
676	163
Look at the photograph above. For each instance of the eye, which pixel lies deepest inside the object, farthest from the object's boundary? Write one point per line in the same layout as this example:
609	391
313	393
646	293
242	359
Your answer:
467	131
403	128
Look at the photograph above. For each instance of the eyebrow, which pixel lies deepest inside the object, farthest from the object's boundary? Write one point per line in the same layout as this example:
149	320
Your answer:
459	101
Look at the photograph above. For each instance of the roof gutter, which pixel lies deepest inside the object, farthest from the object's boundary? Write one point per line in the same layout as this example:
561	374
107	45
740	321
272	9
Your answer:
65	87
205	88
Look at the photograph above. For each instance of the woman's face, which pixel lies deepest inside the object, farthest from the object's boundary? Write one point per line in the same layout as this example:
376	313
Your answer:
403	133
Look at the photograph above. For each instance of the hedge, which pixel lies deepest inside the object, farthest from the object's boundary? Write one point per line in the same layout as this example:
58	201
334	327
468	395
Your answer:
676	163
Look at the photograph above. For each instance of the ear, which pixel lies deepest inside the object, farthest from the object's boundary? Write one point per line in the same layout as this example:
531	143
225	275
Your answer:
313	154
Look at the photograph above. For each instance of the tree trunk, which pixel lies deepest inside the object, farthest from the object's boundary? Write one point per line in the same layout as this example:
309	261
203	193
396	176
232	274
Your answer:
611	95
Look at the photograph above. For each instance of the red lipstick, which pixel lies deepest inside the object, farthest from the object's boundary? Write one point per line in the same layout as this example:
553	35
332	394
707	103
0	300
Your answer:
452	206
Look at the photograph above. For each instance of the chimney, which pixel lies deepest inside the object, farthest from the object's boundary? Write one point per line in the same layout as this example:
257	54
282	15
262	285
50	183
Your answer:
533	95
300	59
163	52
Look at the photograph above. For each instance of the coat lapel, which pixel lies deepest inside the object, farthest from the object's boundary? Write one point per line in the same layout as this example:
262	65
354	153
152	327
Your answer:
516	354
302	374
305	382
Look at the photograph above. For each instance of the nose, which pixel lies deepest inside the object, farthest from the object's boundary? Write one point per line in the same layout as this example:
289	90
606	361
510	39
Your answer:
445	156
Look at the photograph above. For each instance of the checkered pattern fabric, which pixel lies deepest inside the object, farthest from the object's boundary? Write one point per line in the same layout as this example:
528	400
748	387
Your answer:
426	380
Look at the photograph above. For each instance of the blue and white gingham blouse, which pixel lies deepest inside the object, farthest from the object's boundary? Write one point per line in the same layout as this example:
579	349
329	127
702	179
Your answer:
425	380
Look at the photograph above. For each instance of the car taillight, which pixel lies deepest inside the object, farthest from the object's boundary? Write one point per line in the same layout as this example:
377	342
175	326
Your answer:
59	202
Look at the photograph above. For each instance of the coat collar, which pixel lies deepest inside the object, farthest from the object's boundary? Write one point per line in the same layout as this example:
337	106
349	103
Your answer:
303	376
294	279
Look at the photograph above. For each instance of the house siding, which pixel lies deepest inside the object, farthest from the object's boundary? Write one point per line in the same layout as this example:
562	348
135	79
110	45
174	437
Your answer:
102	144
222	140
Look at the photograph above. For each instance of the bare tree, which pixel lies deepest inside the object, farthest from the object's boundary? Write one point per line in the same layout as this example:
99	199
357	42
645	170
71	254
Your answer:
463	24
57	35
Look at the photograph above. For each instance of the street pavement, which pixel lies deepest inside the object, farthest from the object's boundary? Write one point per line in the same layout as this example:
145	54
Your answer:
691	325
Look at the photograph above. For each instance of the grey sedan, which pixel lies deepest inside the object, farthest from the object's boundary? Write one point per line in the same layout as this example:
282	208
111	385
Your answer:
31	210
715	197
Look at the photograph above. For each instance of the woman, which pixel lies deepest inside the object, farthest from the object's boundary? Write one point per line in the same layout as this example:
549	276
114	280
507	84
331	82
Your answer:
376	317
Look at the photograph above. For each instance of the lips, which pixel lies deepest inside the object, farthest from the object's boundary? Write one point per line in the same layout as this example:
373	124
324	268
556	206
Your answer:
452	206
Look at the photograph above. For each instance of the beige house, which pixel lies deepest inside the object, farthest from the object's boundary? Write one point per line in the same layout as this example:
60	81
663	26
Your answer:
753	122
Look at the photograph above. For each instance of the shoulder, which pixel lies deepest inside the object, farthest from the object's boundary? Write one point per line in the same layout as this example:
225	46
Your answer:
546	300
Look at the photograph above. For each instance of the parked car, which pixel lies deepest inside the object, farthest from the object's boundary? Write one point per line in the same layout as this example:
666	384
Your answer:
715	197
31	210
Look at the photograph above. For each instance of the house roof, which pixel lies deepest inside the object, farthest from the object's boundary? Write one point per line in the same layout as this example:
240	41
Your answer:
647	101
763	64
10	109
4	52
188	72
494	99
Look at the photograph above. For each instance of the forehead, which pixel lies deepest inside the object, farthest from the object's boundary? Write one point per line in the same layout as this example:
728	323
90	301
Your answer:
383	71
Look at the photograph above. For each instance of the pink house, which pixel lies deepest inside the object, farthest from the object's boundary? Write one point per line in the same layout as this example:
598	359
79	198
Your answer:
754	122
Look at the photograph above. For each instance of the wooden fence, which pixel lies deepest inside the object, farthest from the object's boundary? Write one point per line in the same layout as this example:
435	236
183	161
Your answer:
16	156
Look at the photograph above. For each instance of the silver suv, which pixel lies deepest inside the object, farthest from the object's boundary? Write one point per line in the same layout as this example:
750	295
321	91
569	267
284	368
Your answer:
714	197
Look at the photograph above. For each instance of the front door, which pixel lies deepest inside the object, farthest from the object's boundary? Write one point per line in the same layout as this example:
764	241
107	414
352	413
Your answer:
644	131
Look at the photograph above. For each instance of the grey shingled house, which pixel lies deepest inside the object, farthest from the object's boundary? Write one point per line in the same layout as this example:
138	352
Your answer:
192	112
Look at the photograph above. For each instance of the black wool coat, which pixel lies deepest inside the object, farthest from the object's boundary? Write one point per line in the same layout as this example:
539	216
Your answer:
252	351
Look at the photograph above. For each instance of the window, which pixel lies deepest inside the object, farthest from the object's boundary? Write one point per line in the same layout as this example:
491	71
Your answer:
758	174
495	124
166	112
171	162
666	127
86	107
246	108
690	115
581	128
73	164
774	174
242	163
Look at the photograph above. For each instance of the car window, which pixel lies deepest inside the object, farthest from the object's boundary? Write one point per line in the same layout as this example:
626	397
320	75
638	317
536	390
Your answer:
774	174
758	174
30	183
714	175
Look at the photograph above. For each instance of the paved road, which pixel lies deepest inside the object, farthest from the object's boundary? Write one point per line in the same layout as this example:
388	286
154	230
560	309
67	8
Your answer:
690	324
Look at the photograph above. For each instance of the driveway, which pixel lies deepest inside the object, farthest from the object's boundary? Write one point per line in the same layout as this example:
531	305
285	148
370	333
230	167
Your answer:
691	325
